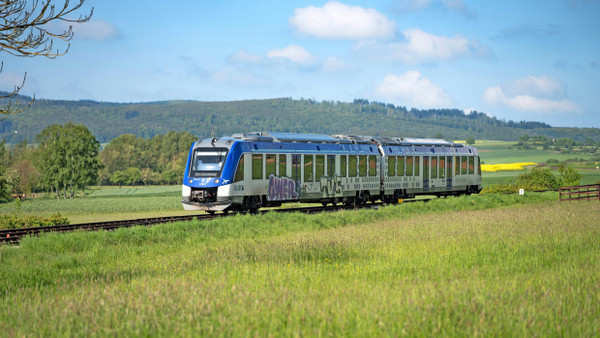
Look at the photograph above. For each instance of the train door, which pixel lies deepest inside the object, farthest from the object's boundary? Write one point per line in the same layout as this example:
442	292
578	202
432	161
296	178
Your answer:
296	165
449	173
426	173
330	165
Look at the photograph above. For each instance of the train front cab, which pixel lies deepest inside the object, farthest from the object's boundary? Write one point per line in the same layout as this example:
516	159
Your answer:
208	175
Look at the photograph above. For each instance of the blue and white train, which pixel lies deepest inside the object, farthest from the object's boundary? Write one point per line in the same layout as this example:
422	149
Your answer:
247	171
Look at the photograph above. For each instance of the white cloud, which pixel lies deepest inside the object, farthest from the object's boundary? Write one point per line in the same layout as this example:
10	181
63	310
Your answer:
333	64
294	54
544	87
95	30
336	20
532	94
413	90
421	47
243	56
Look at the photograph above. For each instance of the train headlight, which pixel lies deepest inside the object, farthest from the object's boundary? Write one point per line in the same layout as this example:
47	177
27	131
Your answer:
216	180
191	181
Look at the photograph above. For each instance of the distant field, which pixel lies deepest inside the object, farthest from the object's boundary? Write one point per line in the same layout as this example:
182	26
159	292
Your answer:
504	265
492	152
497	152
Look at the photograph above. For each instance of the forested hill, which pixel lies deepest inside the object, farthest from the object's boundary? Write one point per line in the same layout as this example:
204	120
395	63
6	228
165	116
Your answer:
109	120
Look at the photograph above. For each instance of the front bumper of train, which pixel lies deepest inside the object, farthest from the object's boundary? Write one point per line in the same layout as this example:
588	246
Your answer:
207	199
212	206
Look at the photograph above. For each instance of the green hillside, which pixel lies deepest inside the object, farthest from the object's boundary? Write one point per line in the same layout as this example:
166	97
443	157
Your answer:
109	120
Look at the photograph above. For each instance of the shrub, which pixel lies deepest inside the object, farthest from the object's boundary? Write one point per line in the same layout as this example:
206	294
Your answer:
16	221
538	179
569	176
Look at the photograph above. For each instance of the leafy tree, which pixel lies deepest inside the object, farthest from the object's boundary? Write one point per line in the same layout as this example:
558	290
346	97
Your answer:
158	154
119	178
569	176
171	176
538	179
68	157
470	141
150	177
134	175
28	176
26	32
7	176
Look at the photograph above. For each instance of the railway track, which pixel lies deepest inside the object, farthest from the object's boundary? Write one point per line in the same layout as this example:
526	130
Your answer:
13	236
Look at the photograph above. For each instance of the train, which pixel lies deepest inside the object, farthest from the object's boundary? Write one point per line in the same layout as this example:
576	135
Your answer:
244	172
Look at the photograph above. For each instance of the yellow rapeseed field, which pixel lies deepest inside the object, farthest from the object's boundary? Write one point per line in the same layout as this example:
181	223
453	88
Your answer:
504	166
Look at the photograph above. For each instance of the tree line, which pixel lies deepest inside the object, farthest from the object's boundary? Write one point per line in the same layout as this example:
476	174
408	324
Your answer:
68	158
110	120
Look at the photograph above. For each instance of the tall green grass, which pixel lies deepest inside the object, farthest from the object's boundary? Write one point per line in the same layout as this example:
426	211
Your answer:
478	265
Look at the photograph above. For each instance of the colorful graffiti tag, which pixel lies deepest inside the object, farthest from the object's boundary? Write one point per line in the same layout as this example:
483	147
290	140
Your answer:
282	189
331	186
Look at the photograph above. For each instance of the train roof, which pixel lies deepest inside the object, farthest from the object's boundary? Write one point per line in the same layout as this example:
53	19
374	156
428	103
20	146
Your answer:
342	139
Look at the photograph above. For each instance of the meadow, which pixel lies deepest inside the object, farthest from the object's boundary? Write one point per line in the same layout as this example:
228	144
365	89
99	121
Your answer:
503	265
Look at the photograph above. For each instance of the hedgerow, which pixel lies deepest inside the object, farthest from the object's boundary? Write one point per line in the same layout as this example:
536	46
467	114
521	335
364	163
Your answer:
16	221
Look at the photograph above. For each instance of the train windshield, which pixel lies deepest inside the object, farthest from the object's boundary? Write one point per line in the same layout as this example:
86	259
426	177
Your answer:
208	162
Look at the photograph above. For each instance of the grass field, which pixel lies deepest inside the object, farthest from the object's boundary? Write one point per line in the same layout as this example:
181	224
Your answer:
503	265
107	203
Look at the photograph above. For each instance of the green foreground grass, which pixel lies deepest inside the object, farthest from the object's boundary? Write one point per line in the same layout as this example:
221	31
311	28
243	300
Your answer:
477	265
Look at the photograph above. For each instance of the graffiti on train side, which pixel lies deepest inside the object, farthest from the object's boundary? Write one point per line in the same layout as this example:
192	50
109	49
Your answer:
282	189
331	186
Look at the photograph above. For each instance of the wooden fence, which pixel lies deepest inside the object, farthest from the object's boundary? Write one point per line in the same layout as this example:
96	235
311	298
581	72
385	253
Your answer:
580	192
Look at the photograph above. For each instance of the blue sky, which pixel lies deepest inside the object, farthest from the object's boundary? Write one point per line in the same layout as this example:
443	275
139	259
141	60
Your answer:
536	60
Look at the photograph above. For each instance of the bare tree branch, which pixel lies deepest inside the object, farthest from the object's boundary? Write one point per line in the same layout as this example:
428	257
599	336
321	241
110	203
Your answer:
25	31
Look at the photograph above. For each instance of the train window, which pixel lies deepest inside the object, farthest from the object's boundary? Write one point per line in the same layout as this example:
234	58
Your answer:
331	165
471	165
308	168
320	167
239	172
463	165
282	166
457	166
401	165
409	165
417	169
257	166
362	165
478	166
208	162
442	163
449	166
372	165
271	165
352	166
391	166
296	167
343	161
434	167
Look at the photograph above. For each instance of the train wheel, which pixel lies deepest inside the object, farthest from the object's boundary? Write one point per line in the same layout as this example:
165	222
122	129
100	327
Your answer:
210	212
